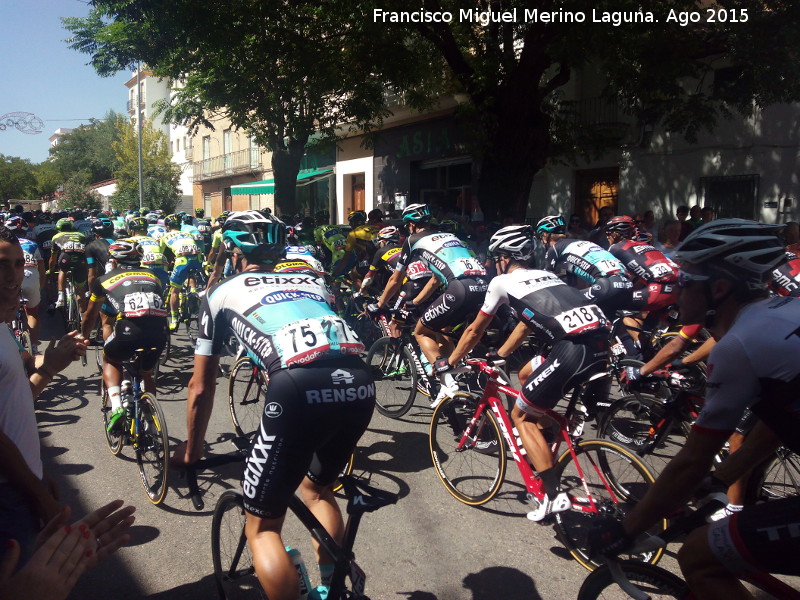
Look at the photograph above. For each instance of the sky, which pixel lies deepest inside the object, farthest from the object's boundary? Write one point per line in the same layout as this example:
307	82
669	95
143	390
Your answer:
40	74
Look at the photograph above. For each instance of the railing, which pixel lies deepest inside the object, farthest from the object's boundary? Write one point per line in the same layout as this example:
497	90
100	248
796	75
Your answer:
187	153
233	163
132	104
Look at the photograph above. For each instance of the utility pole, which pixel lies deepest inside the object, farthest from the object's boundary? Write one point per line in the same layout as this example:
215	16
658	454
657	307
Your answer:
139	131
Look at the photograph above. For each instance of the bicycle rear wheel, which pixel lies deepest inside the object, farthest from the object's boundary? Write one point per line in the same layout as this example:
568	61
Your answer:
613	481
152	449
247	391
395	377
114	440
777	477
473	472
658	583
234	573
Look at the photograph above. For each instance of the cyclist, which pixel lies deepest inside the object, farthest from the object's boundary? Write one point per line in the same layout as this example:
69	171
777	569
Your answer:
217	256
129	296
454	266
82	224
555	314
786	276
332	241
725	266
34	276
188	226
584	263
97	249
303	254
203	226
311	356
69	254
152	257
182	250
360	239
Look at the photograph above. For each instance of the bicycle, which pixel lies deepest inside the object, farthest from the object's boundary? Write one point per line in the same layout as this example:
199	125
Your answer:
143	427
19	327
247	390
469	457
627	579
71	312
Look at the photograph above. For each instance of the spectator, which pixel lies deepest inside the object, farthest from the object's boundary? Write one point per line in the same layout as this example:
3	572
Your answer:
683	214
650	222
668	236
706	215
597	235
694	217
575	228
791	237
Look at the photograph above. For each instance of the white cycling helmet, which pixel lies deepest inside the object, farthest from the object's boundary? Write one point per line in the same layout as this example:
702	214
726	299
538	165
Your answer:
744	249
514	240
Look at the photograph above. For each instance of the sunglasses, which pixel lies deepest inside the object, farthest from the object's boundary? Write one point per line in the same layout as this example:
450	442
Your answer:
686	279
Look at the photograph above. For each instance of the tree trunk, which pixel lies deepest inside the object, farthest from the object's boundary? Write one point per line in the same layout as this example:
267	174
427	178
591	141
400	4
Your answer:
285	167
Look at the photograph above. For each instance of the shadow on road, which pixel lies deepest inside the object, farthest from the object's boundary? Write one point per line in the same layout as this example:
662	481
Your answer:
489	584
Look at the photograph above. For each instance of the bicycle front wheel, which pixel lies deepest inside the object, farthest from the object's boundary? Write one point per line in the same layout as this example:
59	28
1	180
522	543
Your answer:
392	367
602	479
469	459
656	582
152	449
234	573
247	390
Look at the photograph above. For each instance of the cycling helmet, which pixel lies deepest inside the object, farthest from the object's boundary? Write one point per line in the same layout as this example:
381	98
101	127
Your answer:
152	218
103	227
172	221
78	215
389	233
416	213
550	224
125	252
448	226
623	225
114	212
375	215
515	241
357	217
16	224
188	219
199	213
744	249
138	224
258	237
65	225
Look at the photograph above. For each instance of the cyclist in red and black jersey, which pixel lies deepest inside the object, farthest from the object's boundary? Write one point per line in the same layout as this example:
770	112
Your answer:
786	277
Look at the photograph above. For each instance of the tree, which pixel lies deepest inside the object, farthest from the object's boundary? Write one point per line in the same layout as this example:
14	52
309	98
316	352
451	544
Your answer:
281	70
160	175
87	150
17	179
77	194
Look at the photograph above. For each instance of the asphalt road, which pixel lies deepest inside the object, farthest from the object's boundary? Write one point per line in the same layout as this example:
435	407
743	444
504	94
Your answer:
427	547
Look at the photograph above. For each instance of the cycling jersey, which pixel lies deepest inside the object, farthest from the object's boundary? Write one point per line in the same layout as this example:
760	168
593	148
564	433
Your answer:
152	257
43	235
31	286
303	254
786	277
583	259
156	231
178	244
388	257
206	230
198	237
446	256
644	262
129	292
84	226
281	319
97	254
360	237
756	360
71	246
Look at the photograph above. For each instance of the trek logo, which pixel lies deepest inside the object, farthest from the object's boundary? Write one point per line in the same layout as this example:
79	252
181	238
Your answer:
278	280
350	394
341	376
273	410
259	455
276	297
547	372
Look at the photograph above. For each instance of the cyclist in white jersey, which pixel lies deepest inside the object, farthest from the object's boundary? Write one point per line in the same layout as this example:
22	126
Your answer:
725	266
319	400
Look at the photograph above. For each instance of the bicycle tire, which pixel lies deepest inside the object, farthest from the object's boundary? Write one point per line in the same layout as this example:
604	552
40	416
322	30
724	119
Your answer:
193	329
472	476
152	449
775	478
115	442
392	367
658	583
633	422
615	480
234	574
25	341
247	392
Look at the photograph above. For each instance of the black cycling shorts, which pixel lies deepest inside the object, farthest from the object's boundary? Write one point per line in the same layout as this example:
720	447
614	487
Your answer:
129	335
763	537
610	293
313	417
570	362
76	263
461	298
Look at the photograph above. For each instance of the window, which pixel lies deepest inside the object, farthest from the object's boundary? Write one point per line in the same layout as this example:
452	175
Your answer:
734	196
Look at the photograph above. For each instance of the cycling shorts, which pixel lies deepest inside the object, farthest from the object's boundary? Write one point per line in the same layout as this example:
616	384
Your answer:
461	298
570	362
161	273
131	334
654	296
76	263
763	537
343	264
183	266
609	293
313	417
31	287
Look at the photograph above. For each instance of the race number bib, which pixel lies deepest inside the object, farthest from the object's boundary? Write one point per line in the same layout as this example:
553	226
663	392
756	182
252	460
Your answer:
468	266
150	258
579	320
417	269
660	270
609	267
308	339
143	304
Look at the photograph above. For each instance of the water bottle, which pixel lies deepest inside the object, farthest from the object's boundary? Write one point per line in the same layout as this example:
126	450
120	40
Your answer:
302	573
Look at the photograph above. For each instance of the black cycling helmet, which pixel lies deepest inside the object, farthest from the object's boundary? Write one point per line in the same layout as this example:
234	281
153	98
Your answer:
623	225
416	213
188	219
259	238
172	221
356	218
551	224
103	227
125	252
138	224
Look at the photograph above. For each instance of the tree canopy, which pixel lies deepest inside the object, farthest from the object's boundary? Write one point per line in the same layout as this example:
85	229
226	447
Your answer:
17	179
86	150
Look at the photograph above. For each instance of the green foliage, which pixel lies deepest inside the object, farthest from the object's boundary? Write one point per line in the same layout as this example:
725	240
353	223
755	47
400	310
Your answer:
160	174
17	179
76	193
87	150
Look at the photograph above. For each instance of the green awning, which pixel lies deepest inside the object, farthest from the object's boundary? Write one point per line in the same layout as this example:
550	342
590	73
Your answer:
267	186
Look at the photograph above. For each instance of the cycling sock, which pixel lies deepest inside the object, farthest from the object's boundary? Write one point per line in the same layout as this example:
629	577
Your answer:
549	478
114	397
326	574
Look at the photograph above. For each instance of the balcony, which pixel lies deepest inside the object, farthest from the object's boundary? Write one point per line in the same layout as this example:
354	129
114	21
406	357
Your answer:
132	104
234	163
